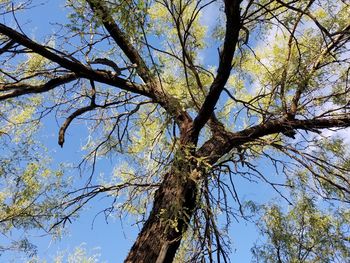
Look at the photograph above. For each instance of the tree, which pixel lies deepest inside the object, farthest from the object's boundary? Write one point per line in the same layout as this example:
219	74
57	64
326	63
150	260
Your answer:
134	70
304	234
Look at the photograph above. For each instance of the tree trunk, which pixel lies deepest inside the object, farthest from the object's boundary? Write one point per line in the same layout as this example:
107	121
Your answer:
173	207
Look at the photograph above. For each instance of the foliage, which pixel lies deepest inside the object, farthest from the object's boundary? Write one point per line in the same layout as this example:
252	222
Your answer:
79	255
304	234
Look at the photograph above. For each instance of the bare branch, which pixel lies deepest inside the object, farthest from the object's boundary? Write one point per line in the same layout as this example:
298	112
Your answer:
7	46
233	25
221	144
326	51
121	39
169	103
70	119
80	69
17	89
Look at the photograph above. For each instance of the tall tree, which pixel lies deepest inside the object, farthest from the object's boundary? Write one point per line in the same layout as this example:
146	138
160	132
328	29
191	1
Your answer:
188	104
304	234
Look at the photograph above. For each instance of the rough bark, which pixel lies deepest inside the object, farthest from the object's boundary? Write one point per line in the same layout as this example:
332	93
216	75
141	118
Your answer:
176	197
174	203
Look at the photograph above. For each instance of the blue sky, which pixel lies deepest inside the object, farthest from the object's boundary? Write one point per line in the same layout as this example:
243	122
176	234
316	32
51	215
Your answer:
112	240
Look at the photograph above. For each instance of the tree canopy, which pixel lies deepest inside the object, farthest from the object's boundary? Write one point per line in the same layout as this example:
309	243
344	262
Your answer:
186	97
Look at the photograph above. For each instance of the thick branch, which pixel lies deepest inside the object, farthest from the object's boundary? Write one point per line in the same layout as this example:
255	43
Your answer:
169	103
221	144
76	67
17	89
152	90
67	122
42	50
7	46
233	25
121	39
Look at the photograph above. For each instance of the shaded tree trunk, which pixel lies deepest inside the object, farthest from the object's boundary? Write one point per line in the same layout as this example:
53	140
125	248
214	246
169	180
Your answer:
173	207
